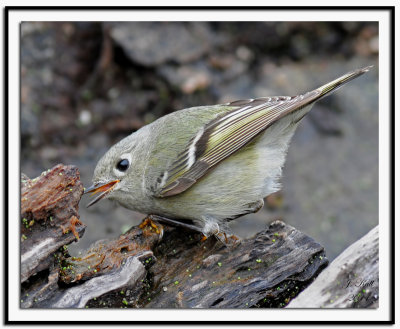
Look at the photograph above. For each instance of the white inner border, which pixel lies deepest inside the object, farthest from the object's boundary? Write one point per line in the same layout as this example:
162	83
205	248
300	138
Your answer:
15	313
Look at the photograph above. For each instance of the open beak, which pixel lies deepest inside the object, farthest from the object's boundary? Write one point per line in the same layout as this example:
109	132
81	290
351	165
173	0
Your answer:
104	188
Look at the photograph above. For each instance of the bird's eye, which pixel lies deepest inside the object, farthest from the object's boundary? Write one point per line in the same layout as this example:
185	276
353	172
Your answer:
123	165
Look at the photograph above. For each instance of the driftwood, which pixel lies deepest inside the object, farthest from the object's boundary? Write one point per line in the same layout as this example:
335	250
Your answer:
49	215
144	268
350	281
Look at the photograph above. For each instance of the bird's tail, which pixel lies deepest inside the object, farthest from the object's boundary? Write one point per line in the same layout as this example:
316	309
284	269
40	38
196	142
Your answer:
335	84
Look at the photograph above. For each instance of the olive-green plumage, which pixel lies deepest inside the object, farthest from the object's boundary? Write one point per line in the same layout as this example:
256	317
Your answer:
207	164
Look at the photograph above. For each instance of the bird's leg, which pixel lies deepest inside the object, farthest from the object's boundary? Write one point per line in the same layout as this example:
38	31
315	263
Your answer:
172	222
224	236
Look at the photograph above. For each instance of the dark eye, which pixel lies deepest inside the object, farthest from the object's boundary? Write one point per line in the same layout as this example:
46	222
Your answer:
123	165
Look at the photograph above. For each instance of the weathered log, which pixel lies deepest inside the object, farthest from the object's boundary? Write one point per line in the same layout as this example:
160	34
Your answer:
350	281
181	271
155	267
49	215
266	270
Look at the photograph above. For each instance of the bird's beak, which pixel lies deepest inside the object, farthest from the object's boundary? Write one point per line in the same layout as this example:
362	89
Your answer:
105	188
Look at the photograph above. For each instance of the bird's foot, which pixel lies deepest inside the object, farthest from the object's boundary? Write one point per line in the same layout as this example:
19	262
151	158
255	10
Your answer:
174	223
228	239
221	232
203	238
149	225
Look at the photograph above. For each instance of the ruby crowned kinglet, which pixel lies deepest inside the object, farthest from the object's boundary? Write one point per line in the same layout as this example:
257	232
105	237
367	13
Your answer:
203	166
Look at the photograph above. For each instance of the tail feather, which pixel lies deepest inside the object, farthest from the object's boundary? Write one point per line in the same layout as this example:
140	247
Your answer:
335	84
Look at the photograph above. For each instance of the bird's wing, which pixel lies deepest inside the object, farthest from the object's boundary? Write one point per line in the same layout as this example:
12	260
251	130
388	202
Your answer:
231	131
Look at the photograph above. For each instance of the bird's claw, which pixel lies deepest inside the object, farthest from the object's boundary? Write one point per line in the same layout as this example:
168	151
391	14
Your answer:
229	240
151	225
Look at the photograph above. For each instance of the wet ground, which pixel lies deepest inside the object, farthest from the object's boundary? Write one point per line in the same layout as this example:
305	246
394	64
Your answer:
85	86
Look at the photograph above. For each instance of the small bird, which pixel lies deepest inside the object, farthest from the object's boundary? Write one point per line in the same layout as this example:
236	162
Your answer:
201	167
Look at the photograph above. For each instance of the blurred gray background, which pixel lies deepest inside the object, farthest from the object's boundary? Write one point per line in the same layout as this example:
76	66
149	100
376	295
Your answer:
87	85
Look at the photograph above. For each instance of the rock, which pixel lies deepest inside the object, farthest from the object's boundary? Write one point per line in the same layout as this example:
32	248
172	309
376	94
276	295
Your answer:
153	43
187	78
326	121
56	61
350	281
